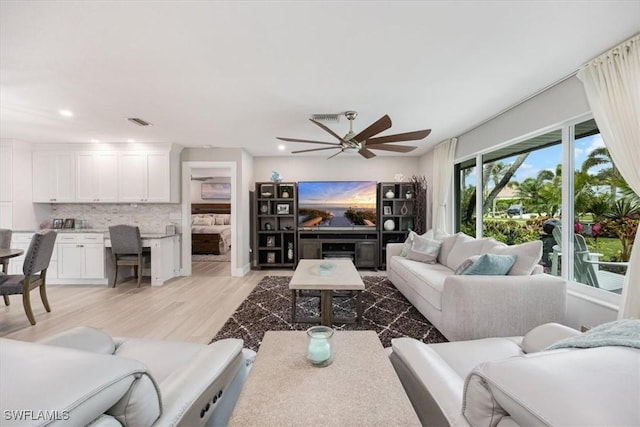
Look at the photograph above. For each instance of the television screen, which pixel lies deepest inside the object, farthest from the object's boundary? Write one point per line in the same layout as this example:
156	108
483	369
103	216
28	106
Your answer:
337	204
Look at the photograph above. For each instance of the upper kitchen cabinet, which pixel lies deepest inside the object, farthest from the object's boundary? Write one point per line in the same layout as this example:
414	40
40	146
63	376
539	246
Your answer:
97	180
54	178
148	177
116	174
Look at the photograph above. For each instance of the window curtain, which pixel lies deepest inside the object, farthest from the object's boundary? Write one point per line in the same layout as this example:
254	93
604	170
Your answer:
443	156
612	85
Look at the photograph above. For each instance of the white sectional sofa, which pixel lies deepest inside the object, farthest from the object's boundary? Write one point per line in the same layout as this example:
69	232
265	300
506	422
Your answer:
465	307
85	377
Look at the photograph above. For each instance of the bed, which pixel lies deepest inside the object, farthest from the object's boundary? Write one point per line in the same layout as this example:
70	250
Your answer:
210	228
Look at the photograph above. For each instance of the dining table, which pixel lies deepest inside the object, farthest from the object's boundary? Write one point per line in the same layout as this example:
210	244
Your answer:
8	253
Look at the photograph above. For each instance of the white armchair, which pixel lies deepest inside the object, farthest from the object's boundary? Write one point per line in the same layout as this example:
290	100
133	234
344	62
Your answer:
84	376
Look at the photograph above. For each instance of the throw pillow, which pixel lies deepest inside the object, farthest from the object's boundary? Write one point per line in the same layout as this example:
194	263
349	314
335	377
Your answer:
464	247
407	244
491	265
202	221
424	250
466	264
528	256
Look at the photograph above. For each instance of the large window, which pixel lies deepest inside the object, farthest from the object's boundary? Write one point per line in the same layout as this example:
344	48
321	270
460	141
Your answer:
522	193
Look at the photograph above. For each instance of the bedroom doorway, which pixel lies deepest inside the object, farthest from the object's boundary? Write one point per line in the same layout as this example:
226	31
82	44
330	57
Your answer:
208	226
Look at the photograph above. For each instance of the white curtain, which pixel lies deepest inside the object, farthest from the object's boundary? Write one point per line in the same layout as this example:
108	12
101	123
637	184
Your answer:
612	84
443	156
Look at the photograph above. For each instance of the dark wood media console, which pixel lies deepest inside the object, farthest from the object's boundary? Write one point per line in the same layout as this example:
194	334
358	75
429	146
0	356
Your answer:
361	246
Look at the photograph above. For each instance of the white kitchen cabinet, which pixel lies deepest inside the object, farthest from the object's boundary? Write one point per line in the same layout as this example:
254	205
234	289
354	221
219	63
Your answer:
96	177
54	177
6	215
80	256
144	177
6	173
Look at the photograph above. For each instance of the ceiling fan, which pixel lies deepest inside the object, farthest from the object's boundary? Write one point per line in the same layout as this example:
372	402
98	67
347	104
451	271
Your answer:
364	141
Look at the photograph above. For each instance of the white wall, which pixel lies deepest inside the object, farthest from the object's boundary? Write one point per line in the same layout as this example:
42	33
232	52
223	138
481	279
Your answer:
343	167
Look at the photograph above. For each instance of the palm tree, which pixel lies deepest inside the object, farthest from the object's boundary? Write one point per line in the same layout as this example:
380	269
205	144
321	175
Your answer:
608	175
531	189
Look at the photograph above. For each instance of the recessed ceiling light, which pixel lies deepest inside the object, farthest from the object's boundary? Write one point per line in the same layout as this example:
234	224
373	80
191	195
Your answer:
66	113
95	141
281	147
131	140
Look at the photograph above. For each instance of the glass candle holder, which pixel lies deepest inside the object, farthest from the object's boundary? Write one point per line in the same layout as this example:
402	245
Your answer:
320	345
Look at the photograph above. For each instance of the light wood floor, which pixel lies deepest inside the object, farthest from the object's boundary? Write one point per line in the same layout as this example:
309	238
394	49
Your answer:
190	308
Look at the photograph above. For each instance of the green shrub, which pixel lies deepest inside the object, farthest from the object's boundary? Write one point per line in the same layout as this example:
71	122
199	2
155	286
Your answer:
510	232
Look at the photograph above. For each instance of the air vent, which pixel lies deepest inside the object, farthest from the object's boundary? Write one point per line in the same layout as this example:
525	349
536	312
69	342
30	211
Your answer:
138	121
326	117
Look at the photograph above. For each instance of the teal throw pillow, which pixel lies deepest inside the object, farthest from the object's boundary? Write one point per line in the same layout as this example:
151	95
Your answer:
491	265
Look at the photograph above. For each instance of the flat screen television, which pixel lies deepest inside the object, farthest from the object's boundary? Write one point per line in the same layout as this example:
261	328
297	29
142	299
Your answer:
337	204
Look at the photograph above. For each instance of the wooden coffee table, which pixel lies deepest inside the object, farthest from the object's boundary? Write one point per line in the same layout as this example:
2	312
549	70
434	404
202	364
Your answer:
360	387
344	277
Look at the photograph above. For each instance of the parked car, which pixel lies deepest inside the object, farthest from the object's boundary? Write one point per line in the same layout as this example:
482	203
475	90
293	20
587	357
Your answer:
516	210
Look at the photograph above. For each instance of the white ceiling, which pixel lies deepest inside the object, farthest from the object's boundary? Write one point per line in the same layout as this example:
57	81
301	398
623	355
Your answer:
238	74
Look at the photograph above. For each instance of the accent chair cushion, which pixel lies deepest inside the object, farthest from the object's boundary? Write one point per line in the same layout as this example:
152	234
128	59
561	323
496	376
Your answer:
491	265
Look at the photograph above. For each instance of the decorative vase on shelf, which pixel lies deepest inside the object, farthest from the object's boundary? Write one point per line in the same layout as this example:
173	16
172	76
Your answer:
290	251
390	194
285	194
408	195
389	225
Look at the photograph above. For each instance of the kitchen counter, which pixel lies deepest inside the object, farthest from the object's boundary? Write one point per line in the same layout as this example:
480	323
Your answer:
100	231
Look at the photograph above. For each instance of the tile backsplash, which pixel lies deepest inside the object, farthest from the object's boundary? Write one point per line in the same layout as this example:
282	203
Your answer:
151	218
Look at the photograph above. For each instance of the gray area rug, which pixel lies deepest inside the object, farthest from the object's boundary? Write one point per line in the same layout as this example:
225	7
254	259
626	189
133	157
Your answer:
385	310
211	258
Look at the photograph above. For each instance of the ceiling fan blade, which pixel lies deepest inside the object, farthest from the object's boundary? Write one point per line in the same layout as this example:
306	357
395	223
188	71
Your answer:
366	153
409	136
305	140
382	124
332	156
326	129
313	149
396	148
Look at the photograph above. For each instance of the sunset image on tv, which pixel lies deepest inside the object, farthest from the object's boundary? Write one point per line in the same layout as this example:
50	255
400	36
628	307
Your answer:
337	204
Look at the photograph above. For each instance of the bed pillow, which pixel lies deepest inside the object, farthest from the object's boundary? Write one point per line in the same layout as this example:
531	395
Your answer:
424	250
223	219
203	221
491	265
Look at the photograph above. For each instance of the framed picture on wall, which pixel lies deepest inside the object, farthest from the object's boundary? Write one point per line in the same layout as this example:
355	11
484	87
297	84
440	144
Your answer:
215	191
58	223
69	223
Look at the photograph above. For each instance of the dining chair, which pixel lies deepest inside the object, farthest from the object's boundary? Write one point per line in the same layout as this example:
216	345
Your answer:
5	243
34	269
126	250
